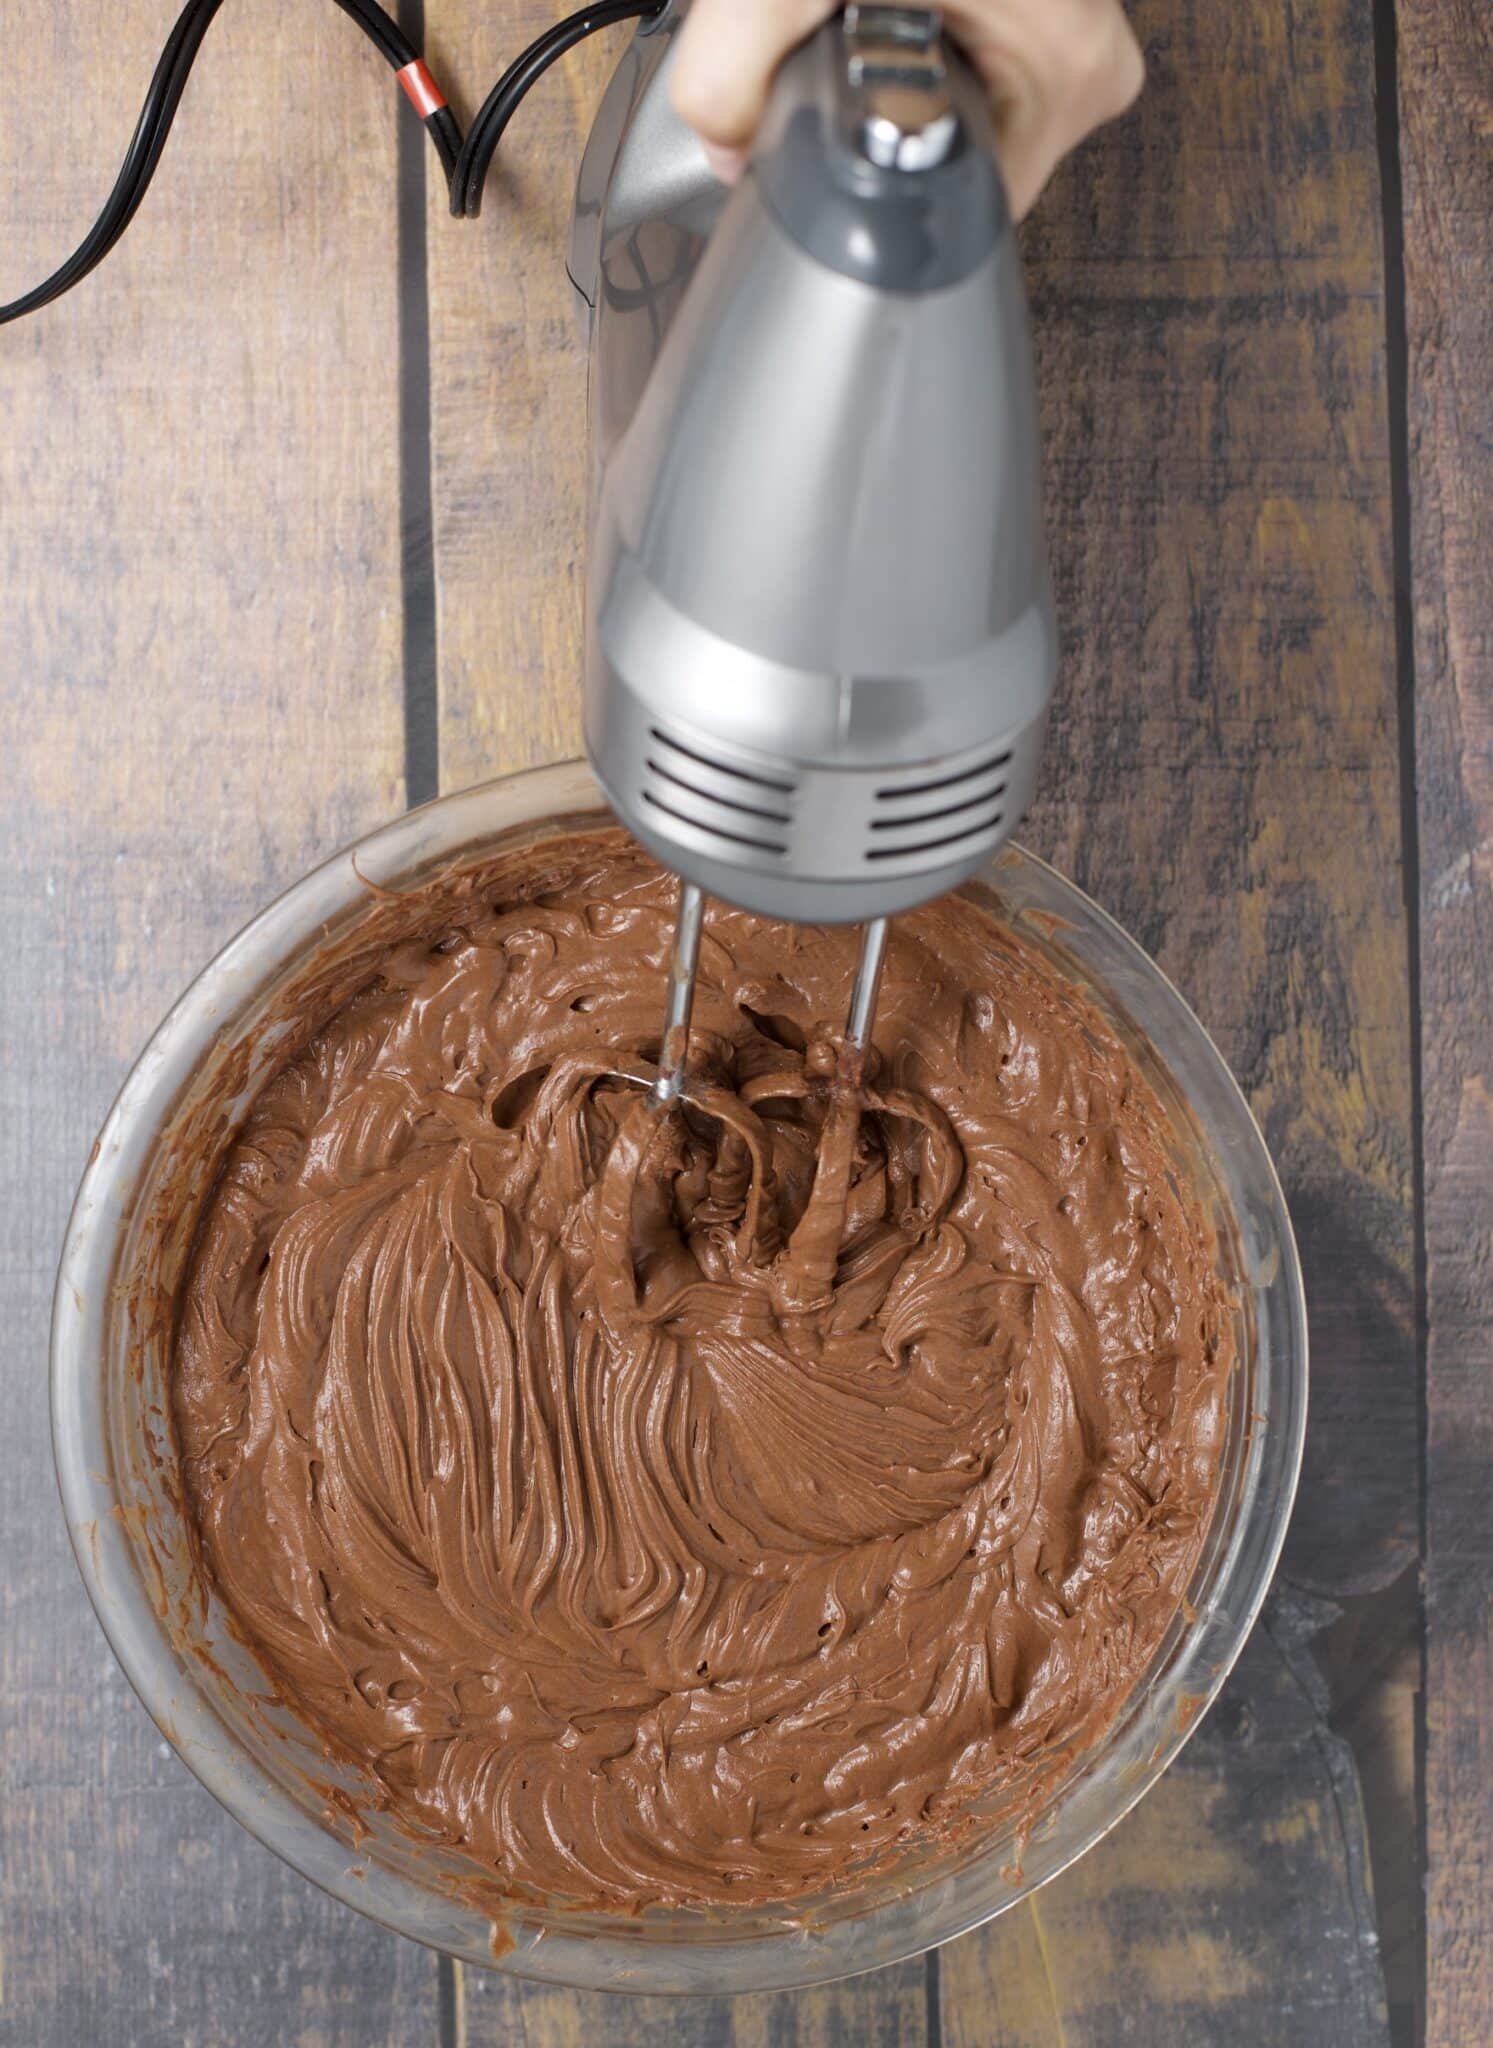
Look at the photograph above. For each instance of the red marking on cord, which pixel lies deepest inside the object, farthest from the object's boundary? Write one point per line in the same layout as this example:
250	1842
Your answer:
425	96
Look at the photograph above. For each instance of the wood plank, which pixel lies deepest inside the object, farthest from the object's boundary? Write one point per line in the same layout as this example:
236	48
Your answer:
1224	765
1446	113
1224	776
508	406
200	638
884	2010
1372	1662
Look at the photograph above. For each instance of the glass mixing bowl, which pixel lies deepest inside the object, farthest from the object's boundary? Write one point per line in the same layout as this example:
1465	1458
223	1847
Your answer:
130	1234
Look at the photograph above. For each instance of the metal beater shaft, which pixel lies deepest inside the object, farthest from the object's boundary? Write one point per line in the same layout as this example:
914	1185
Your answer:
867	983
684	961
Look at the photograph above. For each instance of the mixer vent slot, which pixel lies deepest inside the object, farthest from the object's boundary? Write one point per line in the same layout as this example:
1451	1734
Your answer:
939	814
948	843
740	805
716	831
897	790
753	775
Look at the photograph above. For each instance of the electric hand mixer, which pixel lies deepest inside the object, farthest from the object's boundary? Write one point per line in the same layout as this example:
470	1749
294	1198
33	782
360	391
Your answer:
820	636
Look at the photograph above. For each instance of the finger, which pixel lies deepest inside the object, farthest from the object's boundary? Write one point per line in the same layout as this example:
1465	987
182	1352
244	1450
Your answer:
729	165
728	52
1057	70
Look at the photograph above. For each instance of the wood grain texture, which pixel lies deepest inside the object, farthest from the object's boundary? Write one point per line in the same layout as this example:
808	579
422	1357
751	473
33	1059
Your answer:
1223	775
885	2010
1446	109
508	406
1371	1659
199	635
1223	772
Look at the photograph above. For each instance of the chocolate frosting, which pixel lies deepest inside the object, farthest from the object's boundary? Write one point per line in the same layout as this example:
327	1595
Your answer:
696	1507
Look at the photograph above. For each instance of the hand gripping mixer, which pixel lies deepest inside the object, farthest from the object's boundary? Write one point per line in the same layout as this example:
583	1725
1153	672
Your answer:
820	636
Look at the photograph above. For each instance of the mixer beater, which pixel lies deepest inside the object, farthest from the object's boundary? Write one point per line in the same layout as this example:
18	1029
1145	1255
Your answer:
684	967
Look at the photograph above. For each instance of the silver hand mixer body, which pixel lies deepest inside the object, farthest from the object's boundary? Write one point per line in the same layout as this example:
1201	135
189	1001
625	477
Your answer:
820	641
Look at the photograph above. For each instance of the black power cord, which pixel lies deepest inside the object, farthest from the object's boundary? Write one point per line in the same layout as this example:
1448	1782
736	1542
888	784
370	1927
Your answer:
465	161
498	109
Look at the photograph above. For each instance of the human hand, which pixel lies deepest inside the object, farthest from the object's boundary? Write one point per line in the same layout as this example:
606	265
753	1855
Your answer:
1056	69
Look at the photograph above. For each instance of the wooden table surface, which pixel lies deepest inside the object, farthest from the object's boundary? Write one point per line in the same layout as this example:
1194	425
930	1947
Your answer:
1264	313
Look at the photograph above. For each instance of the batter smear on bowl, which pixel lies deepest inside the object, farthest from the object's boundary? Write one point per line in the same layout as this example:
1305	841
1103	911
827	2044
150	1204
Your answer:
695	1508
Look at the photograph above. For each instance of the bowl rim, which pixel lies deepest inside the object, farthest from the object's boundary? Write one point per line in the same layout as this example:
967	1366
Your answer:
442	833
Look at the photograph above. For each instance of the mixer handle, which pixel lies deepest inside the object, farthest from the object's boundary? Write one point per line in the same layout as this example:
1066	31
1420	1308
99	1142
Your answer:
877	154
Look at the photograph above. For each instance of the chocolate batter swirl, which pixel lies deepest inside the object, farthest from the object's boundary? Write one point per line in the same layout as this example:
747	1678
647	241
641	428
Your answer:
689	1508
